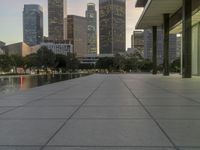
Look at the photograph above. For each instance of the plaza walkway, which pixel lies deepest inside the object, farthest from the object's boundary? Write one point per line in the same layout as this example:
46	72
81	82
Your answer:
104	112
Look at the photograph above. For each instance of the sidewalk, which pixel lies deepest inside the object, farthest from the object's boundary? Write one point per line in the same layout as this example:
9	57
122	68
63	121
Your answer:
104	112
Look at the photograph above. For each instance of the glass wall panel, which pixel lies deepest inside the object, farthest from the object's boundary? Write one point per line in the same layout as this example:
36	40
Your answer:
195	50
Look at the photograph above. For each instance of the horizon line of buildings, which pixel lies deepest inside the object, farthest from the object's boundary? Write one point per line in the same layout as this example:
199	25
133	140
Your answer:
80	31
77	34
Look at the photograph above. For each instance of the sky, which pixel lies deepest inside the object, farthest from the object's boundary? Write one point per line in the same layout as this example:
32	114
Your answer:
11	28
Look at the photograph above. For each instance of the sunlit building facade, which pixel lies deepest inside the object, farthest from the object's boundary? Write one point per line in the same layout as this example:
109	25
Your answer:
112	18
91	16
32	24
19	49
77	34
57	11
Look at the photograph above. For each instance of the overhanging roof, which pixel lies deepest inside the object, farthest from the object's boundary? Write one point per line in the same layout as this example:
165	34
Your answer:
140	3
178	27
154	10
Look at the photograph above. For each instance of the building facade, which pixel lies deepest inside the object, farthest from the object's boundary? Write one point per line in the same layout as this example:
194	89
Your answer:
59	48
137	41
57	11
91	16
32	24
20	49
178	17
77	34
112	18
148	46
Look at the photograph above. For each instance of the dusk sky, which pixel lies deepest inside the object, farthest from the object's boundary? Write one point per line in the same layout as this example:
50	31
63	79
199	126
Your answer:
11	17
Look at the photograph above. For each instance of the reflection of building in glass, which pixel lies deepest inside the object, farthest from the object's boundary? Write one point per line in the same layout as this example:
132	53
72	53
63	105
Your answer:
91	16
148	46
77	34
112	19
33	24
137	41
178	45
57	12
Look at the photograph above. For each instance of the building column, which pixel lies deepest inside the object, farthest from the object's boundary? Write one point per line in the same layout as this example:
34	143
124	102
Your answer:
187	39
154	53
166	45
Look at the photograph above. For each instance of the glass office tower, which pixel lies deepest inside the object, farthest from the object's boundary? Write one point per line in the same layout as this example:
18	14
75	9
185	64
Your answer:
33	24
112	17
91	16
57	11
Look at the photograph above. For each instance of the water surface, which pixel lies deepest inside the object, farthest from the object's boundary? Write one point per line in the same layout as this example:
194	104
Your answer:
10	84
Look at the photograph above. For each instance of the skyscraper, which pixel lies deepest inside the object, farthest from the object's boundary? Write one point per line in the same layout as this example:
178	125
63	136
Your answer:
77	34
112	18
33	24
137	41
91	16
57	11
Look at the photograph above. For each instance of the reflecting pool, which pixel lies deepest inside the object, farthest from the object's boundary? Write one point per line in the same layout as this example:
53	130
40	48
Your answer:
10	84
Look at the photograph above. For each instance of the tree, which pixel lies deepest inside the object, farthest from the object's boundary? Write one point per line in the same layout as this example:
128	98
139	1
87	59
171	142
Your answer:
105	63
46	58
72	63
176	65
146	65
119	62
61	62
131	64
5	65
16	62
87	66
31	61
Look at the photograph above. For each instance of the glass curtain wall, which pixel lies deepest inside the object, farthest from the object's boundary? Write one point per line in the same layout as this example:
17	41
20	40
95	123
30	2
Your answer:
196	49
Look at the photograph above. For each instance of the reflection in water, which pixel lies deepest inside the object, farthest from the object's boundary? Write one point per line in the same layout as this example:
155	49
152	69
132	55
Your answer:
10	84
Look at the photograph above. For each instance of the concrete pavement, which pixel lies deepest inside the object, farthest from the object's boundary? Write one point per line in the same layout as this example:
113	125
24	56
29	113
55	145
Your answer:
104	112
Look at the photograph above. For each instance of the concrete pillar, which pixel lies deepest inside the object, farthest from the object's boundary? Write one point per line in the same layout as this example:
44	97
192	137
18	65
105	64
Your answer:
187	39
154	53
166	45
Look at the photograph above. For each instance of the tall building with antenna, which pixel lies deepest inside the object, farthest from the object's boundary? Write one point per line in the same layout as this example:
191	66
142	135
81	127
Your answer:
91	16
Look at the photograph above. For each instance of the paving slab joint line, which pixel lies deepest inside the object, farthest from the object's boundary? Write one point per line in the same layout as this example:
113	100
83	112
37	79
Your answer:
85	146
185	97
35	100
151	116
106	146
65	122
